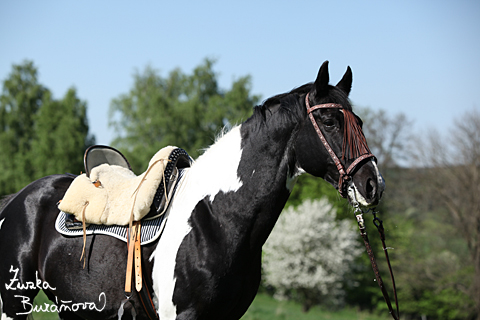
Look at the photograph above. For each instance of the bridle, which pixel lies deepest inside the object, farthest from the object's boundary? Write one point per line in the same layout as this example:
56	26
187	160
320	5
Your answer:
355	147
353	139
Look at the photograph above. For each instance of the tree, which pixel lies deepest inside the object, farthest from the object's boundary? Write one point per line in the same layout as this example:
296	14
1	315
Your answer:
454	179
309	253
182	110
38	135
388	136
21	98
61	135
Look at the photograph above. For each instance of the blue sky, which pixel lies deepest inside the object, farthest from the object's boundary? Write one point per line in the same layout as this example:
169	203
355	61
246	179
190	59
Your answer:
421	58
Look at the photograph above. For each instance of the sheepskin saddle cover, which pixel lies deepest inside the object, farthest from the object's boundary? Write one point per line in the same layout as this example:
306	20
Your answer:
111	194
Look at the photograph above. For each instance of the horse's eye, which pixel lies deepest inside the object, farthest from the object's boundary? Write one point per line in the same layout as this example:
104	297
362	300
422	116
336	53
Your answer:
329	123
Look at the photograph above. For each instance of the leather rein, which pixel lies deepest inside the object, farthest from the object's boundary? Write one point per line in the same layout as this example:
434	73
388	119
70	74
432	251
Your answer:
353	135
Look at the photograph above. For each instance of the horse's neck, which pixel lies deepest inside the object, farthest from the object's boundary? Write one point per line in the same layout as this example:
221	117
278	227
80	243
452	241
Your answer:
216	170
254	182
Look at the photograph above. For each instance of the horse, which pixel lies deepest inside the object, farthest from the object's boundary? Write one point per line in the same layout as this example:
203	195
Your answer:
207	263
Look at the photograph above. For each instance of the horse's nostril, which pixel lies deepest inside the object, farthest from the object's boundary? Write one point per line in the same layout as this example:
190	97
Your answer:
370	189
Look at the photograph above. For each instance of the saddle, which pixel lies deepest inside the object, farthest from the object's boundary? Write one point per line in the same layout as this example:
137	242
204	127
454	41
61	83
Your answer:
109	193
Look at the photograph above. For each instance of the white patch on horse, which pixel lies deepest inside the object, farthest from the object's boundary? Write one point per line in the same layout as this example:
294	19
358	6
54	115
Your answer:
3	315
1	222
356	197
1	302
292	178
215	171
380	180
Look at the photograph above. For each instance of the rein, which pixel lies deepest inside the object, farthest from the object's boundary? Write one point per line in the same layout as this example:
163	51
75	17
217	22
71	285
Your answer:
355	147
363	232
354	143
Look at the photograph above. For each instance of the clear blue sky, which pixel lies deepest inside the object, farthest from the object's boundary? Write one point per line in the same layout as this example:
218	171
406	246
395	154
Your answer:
421	58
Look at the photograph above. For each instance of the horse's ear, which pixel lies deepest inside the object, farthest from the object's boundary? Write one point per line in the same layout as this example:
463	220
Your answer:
346	83
321	83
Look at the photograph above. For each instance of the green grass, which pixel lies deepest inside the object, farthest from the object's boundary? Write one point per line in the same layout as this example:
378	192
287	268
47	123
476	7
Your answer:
263	307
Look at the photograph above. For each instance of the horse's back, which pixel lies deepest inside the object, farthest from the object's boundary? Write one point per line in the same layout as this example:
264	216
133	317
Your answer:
33	252
25	214
36	195
24	217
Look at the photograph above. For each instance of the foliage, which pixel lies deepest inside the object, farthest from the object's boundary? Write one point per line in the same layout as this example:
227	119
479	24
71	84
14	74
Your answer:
310	187
430	213
39	135
309	253
182	110
388	136
432	265
40	301
453	182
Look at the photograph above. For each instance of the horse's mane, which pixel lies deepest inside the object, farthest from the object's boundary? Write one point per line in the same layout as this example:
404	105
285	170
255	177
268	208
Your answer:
282	101
280	97
288	98
5	200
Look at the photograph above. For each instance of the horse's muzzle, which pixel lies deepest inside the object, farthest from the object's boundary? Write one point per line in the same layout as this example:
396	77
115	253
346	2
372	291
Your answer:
367	186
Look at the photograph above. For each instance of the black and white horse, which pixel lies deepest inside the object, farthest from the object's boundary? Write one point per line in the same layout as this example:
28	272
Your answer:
207	263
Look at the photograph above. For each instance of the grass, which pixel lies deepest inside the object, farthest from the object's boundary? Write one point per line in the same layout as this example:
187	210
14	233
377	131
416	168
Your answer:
263	307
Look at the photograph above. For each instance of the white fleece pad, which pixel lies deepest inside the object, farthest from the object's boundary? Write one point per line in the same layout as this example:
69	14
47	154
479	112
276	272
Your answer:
112	192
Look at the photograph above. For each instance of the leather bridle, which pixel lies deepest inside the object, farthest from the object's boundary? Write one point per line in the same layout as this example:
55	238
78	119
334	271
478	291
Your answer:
359	142
359	151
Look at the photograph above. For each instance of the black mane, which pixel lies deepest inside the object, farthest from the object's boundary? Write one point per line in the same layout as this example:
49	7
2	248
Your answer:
277	99
284	101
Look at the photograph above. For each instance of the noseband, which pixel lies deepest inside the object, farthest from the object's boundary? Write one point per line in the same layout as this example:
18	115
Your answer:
353	138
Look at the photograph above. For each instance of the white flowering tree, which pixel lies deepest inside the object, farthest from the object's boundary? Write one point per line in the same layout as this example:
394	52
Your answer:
308	254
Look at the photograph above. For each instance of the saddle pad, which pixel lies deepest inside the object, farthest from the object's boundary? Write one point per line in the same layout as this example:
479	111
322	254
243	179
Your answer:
151	229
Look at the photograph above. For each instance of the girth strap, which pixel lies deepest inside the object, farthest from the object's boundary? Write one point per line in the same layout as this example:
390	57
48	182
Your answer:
133	238
134	264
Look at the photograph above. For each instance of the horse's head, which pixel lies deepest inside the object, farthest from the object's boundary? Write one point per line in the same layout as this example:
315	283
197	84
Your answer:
331	144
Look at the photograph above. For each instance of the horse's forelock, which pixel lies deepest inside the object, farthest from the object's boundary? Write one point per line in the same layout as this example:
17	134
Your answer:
354	141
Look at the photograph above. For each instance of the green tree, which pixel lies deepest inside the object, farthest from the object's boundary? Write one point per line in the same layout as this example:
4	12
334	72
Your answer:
21	98
61	135
388	137
38	135
433	268
454	182
181	109
309	254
